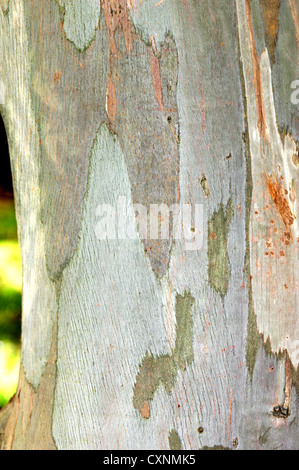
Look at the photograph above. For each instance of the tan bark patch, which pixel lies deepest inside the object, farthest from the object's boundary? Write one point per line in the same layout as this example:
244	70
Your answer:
145	410
29	426
111	96
270	9
9	432
4	416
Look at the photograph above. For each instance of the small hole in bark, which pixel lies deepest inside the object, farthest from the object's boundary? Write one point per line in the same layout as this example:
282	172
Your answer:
235	442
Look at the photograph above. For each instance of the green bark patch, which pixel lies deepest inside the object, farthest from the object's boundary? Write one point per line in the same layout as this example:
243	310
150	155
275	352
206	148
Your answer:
219	447
219	265
163	370
253	338
174	440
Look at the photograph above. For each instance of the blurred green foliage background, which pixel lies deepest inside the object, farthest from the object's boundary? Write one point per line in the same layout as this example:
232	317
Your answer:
10	300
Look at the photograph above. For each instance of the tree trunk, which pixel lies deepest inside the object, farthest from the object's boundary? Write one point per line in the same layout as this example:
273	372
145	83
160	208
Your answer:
133	341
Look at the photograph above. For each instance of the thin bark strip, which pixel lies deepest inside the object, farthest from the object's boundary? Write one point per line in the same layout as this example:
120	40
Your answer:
256	74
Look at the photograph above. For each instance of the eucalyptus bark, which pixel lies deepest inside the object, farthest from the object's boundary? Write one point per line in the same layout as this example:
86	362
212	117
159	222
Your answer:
130	342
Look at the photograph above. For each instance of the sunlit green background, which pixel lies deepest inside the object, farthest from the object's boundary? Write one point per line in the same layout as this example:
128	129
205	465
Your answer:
10	301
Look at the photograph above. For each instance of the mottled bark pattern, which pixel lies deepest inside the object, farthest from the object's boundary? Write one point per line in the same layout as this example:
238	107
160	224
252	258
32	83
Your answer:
147	101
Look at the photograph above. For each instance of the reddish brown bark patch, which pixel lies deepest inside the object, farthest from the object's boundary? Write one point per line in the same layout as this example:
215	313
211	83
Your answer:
57	76
145	410
155	65
278	195
117	15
